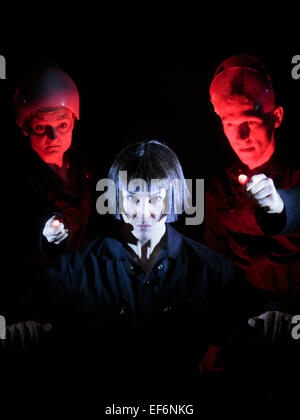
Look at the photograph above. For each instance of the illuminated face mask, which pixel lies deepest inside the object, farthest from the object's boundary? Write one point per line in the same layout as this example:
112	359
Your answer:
144	211
50	134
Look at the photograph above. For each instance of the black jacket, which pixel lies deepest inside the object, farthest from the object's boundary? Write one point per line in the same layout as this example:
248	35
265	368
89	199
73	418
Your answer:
115	316
103	281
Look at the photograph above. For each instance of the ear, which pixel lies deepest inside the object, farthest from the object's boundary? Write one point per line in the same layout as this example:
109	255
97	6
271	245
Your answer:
24	132
278	116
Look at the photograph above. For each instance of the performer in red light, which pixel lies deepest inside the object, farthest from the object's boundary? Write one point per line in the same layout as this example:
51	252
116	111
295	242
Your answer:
252	216
258	230
54	170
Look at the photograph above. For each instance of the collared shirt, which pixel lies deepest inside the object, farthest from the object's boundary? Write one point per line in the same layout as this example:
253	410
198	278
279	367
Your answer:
234	225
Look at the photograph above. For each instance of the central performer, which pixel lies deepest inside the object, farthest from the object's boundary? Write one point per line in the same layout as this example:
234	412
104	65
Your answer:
143	302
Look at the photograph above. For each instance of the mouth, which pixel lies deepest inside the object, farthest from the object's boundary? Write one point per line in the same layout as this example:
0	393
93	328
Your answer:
247	149
54	147
144	226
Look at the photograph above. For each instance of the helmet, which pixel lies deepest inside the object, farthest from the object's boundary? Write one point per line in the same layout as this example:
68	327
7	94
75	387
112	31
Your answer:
246	76
47	89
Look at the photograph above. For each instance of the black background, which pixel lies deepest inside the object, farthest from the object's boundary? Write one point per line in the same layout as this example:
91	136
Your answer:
144	72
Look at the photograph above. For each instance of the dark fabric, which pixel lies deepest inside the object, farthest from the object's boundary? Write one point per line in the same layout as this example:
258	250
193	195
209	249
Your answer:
152	327
32	193
265	246
36	192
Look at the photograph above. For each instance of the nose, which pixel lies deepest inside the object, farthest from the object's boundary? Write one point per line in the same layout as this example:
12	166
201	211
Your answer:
144	209
51	132
244	131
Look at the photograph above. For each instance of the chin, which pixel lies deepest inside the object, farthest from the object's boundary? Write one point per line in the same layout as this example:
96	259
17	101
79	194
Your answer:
249	159
53	157
141	236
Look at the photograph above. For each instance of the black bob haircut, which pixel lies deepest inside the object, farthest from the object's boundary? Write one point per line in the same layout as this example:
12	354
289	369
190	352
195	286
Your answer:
151	160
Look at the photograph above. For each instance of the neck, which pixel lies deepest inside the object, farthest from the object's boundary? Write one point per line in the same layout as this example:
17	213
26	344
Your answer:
144	248
264	158
59	162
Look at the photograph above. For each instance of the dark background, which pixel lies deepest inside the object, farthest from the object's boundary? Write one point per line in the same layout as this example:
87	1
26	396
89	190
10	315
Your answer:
145	72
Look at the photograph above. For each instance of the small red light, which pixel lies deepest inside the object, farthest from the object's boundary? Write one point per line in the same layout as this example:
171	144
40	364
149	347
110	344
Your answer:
55	223
243	179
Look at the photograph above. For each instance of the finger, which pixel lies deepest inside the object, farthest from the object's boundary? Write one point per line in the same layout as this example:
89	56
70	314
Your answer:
58	241
9	335
252	322
33	331
267	190
13	334
56	231
277	327
60	228
48	224
269	326
264	183
255	180
49	221
59	231
266	201
50	238
56	236
51	231
23	334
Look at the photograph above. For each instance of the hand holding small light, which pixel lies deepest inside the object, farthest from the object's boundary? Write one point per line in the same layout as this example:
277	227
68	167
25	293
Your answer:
262	190
55	230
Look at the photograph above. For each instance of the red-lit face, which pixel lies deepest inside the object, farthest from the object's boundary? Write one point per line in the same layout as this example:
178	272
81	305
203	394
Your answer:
50	134
248	134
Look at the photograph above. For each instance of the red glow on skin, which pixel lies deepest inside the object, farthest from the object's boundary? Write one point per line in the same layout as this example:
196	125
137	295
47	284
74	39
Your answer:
248	134
243	179
51	134
55	223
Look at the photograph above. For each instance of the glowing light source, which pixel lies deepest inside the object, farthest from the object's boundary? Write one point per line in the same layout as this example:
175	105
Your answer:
243	179
55	223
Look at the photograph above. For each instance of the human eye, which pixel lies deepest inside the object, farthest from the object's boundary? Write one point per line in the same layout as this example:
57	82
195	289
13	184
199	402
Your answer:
133	199
63	125
155	199
39	128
